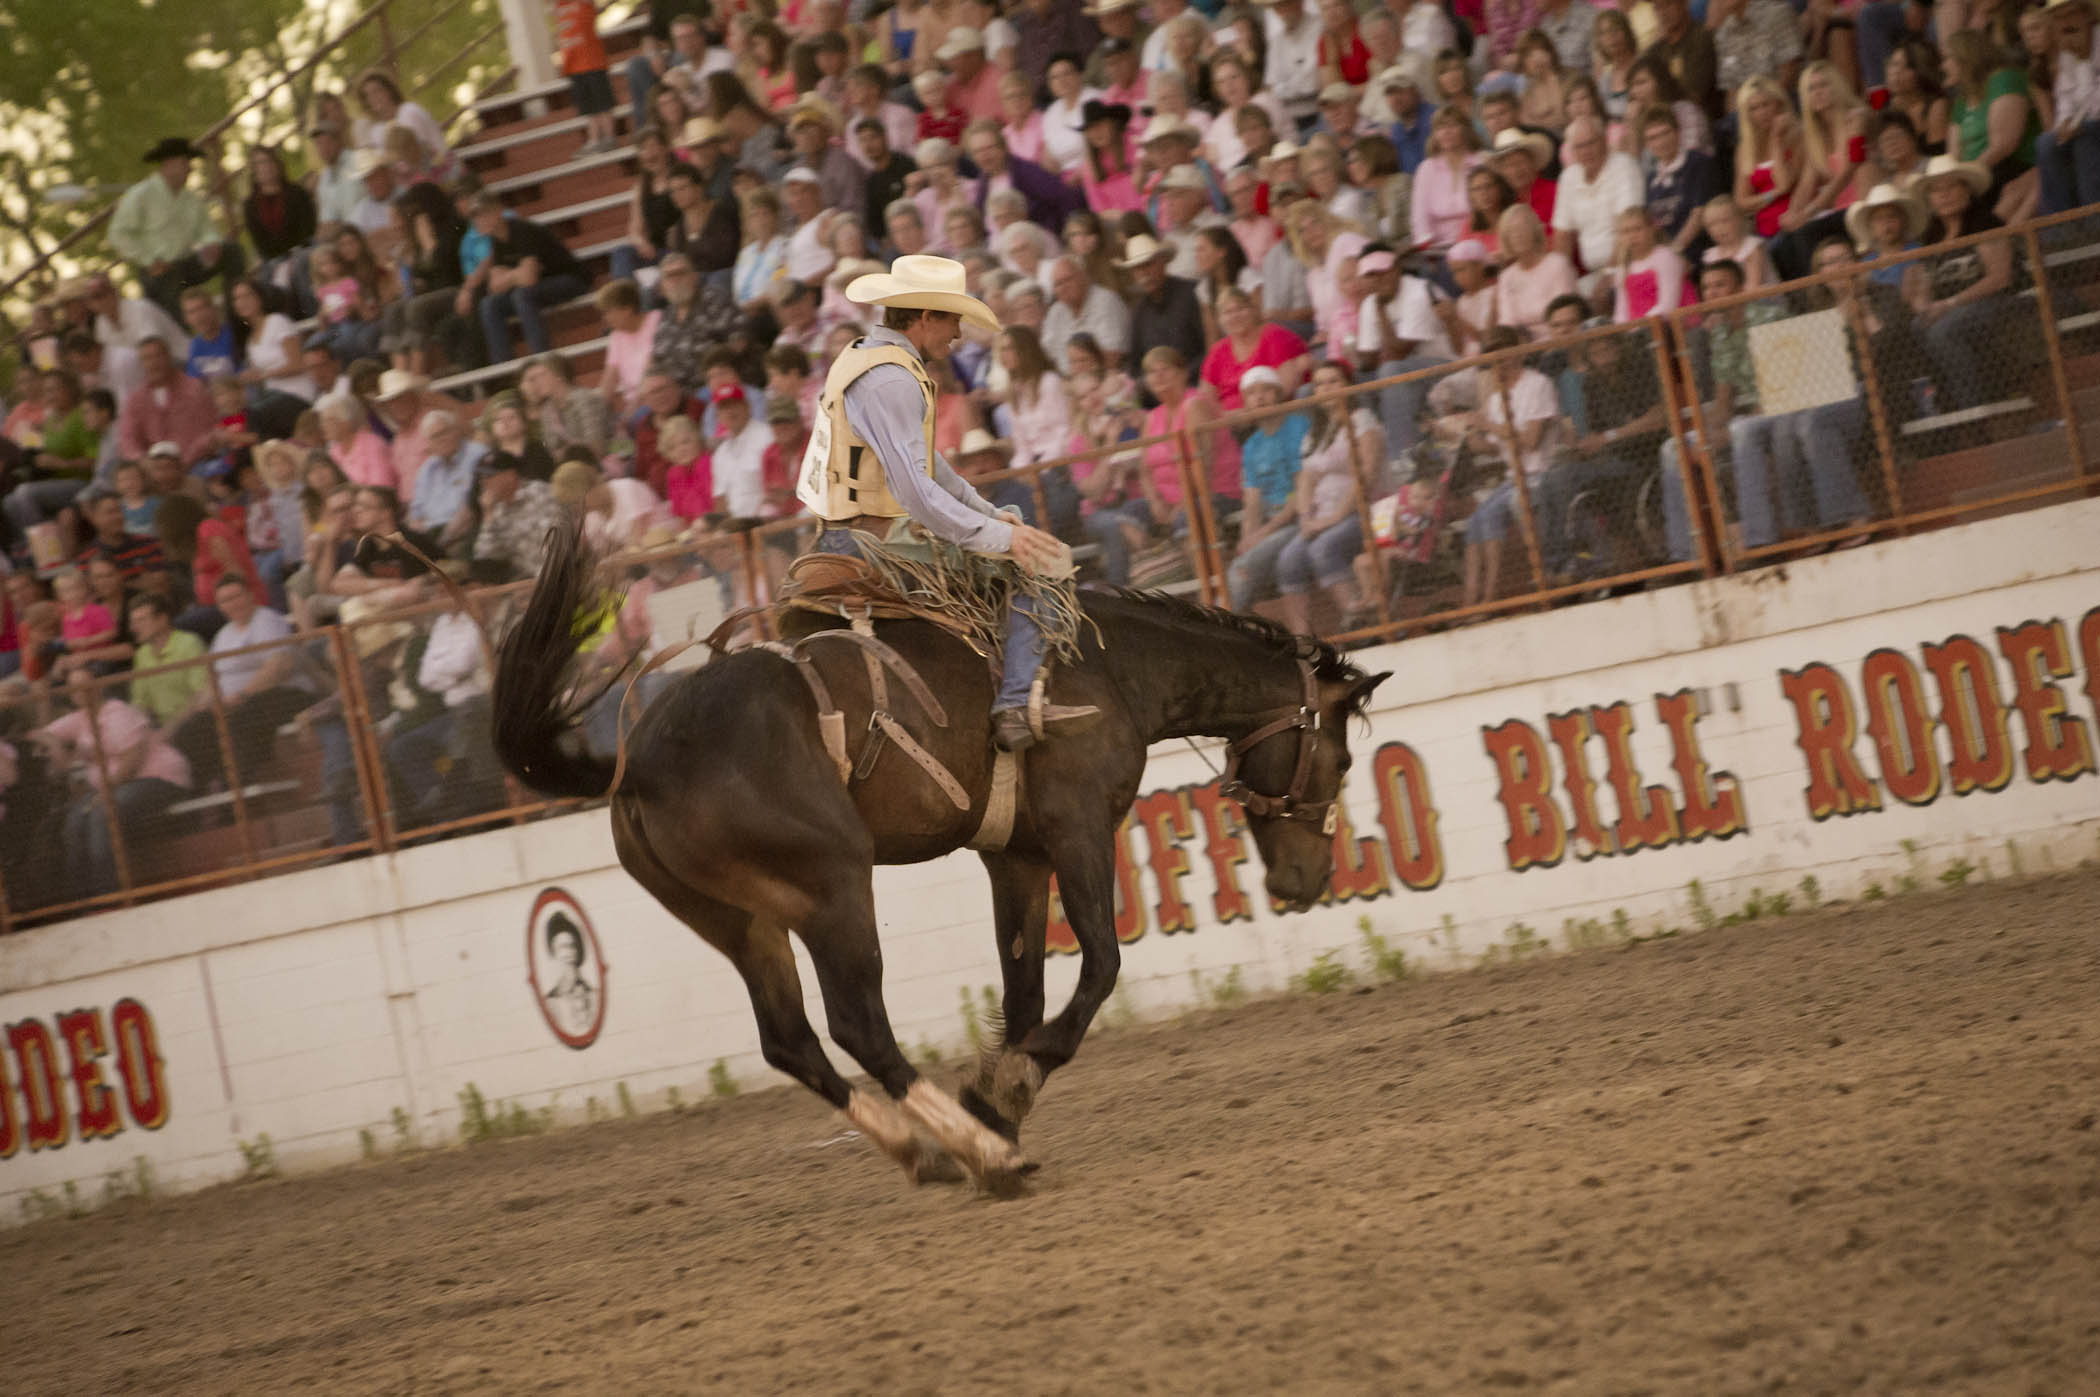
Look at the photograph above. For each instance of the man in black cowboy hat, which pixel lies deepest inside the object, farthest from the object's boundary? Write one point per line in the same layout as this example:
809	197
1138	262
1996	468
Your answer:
164	229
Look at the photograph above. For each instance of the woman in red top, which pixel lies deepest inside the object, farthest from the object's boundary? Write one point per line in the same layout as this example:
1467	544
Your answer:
207	545
1343	55
1246	343
1179	410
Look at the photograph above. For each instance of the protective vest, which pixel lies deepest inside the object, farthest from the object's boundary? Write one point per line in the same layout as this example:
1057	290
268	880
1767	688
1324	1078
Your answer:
841	476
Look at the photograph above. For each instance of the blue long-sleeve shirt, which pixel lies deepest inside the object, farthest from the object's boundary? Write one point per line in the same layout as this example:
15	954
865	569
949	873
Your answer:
444	485
886	407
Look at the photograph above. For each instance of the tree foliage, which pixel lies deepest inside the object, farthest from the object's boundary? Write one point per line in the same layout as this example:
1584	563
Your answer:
86	86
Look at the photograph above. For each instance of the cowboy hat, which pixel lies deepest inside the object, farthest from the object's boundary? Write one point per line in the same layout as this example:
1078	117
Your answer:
1512	139
700	130
1108	7
1968	171
1096	110
813	108
1885	196
399	383
978	440
1168	126
370	161
923	283
1338	92
1186	177
173	148
1142	249
1399	75
961	39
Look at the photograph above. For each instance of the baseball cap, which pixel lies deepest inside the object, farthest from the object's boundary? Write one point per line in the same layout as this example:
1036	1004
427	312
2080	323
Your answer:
729	393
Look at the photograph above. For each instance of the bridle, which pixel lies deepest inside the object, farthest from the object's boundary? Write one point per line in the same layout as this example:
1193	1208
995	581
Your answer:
1292	804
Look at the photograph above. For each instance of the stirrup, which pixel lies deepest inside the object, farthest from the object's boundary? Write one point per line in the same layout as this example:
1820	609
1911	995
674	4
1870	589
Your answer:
1075	717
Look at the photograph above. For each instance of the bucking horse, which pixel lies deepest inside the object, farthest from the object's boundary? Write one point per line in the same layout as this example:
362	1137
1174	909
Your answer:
744	809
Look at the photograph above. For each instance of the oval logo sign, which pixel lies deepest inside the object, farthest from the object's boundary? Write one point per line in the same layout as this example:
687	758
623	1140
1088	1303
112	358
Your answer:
567	968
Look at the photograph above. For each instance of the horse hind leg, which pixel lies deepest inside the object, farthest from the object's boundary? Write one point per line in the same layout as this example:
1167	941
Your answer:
843	946
1003	1089
764	959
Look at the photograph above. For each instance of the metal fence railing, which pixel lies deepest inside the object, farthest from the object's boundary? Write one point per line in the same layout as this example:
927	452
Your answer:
1873	399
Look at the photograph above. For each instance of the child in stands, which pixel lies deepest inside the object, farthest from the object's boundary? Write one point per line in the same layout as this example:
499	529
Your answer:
584	62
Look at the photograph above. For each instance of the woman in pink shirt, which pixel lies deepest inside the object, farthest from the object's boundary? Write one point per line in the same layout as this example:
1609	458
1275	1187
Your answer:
1533	274
1440	207
1648	278
356	450
1248	342
1180	409
1019	121
689	484
630	340
1328	252
1105	172
130	767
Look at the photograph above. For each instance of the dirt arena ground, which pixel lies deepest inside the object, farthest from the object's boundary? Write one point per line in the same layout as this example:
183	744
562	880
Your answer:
1851	1151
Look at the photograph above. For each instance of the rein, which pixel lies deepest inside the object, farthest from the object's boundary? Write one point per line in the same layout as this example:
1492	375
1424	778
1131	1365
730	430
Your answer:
1291	804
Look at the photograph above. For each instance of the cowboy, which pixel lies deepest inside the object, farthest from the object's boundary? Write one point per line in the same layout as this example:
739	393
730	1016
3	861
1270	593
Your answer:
872	474
164	229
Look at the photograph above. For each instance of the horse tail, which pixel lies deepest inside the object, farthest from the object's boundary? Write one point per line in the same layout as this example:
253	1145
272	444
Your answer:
535	715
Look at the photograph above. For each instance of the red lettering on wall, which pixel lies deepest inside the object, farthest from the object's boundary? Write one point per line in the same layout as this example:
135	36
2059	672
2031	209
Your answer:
1967	678
1713	800
10	1125
1359	867
139	1064
2089	652
1647	819
1900	726
81	1031
1537	838
1571	733
1225	845
2058	745
1408	814
1166	820
36	1063
1825	730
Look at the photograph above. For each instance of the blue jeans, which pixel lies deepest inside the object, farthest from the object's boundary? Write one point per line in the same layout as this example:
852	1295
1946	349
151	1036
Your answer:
528	303
1252	576
1677	519
640	78
1401	404
1023	653
1879	27
626	261
339	782
2070	169
1966	348
1105	527
1777	451
1324	558
34	501
94	866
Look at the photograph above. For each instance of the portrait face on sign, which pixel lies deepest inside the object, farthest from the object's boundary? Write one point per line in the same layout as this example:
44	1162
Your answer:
567	969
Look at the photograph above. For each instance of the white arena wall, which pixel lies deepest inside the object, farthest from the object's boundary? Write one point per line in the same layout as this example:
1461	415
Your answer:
1746	733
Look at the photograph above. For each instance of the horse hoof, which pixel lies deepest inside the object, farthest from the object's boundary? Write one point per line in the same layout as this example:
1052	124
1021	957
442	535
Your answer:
1008	1182
978	1105
936	1167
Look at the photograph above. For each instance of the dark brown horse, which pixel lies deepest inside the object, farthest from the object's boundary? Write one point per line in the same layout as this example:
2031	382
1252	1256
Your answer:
734	815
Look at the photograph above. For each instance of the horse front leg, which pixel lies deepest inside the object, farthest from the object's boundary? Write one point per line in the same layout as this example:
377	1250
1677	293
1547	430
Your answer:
1002	1091
1086	881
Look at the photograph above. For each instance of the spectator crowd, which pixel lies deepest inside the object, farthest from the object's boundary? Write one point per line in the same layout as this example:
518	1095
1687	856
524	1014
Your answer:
1179	211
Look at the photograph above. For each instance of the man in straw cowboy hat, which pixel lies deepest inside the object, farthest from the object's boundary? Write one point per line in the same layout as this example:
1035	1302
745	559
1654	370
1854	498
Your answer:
886	495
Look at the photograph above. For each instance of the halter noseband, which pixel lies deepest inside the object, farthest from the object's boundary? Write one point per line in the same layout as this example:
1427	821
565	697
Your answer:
1292	804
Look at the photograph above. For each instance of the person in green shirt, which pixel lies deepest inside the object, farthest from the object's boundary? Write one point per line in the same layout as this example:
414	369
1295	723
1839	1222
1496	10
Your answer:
164	229
1733	409
156	642
60	467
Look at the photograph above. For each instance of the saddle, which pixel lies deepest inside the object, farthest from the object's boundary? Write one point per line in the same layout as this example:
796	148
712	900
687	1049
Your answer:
840	587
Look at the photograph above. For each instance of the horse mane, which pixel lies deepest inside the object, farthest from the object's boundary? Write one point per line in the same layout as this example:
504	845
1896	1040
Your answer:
1208	623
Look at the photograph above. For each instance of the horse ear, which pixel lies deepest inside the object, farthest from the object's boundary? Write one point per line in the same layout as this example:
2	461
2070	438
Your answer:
1358	694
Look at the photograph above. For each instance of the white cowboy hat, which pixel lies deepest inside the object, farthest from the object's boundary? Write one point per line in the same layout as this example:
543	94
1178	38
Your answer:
923	283
1142	249
370	162
1338	92
397	383
977	439
1511	139
1184	177
1399	75
1168	125
1970	173
1885	196
961	39
1109	7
